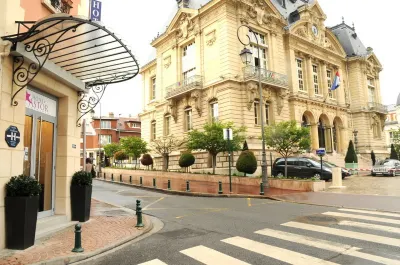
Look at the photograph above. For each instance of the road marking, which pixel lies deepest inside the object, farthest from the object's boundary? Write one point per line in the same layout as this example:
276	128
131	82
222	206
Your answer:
383	228
206	212
370	212
154	262
211	257
120	191
326	245
206	209
364	217
150	204
345	233
249	202
280	254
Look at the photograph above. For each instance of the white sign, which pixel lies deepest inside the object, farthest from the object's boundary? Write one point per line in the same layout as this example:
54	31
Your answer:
228	134
26	154
40	103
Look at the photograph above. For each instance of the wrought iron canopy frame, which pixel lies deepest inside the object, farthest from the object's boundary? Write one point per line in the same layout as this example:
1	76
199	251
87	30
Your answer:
85	49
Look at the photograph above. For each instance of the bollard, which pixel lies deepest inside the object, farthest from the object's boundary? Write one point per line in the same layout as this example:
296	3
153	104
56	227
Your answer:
141	181
98	175
130	179
120	178
261	188
187	186
220	187
78	240
169	184
104	175
139	214
112	177
154	183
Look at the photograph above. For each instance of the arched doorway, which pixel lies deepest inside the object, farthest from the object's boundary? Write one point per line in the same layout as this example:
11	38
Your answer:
337	135
308	120
325	133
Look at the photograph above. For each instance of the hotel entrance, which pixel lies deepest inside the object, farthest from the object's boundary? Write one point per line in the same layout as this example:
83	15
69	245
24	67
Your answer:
39	146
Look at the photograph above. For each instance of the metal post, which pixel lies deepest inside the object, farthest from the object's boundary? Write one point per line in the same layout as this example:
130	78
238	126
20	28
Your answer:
229	157
100	142
261	189
187	186
98	175
169	184
154	183
78	240
104	175
139	214
141	181
322	171
112	177
220	187
84	143
120	178
270	158
130	179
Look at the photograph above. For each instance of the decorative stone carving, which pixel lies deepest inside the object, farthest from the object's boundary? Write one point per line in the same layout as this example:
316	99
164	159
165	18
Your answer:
281	99
167	61
329	45
185	26
302	32
196	98
251	94
212	93
211	37
172	109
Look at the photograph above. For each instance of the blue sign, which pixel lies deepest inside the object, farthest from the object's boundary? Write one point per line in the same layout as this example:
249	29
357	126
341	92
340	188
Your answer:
95	10
13	136
321	152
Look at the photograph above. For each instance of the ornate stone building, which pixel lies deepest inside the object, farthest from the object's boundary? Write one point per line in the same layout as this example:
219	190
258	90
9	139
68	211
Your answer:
198	75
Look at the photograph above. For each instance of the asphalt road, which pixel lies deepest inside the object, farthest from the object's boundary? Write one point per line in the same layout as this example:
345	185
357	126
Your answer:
222	231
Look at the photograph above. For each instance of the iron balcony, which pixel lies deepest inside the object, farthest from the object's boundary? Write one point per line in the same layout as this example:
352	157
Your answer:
187	85
268	77
377	107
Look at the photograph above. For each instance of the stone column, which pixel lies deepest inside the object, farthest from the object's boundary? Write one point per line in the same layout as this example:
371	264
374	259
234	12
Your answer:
324	80
272	53
314	136
309	80
293	75
199	52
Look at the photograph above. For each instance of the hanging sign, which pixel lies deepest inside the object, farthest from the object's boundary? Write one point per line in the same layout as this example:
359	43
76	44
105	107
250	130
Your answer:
228	134
13	136
95	10
40	103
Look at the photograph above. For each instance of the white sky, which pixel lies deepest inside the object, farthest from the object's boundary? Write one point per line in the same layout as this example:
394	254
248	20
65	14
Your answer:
139	21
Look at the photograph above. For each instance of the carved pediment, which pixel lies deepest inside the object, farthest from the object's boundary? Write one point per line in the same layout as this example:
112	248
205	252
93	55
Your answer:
183	24
259	10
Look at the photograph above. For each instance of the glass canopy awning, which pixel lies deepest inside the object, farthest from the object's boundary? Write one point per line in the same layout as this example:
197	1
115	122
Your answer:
84	52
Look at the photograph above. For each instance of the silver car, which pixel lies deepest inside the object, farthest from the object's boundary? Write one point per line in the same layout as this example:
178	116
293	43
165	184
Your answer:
390	167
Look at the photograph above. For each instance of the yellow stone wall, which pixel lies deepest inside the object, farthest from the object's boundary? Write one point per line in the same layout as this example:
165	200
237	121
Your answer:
214	30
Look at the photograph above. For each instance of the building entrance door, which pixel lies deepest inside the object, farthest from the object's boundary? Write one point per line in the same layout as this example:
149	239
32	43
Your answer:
39	157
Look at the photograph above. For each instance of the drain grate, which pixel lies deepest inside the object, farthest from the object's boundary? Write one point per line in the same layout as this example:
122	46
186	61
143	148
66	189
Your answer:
318	219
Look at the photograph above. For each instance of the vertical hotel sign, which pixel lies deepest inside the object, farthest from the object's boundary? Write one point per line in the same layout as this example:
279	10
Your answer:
95	10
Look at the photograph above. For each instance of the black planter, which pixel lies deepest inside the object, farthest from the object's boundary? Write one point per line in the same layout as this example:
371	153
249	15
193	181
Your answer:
80	202
21	217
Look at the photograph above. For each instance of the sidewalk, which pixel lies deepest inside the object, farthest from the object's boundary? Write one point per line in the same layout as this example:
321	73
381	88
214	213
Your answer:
108	227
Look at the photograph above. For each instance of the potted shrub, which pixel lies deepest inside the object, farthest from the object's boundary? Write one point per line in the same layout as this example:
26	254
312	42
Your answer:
247	163
186	160
81	195
21	210
351	159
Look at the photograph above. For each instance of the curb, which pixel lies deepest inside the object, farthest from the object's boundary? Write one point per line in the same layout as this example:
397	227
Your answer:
74	258
190	194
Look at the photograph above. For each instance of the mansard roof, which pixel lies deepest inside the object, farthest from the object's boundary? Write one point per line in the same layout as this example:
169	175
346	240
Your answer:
287	7
349	40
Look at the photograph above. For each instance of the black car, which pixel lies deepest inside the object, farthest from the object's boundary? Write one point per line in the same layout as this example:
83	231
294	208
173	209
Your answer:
302	167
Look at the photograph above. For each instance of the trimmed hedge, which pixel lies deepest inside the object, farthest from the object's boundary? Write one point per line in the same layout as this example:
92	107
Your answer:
247	162
23	186
146	160
351	156
81	178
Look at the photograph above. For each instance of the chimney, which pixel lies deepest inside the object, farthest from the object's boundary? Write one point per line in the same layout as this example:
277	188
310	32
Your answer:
183	3
111	114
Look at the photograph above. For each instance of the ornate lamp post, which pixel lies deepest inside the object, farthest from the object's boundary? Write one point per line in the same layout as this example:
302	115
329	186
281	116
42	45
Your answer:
246	56
355	132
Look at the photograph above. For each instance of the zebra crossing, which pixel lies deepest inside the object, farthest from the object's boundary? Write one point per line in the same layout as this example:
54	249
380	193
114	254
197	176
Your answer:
349	219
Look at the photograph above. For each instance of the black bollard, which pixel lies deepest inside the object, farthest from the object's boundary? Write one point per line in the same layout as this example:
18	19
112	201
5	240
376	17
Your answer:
120	178
104	175
154	183
98	175
187	186
169	184
78	240
139	214
130	179
112	177
220	187
261	188
141	181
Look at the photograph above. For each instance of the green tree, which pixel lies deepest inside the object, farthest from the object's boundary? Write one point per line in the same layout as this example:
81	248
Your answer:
247	163
287	138
164	146
120	155
393	153
186	160
211	139
245	146
351	156
396	141
134	146
111	149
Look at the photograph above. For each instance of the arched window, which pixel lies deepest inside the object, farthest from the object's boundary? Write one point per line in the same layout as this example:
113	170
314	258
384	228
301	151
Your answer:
188	119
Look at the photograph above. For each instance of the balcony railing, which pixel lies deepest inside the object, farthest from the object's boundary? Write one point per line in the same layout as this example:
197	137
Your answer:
268	77
377	107
58	6
187	85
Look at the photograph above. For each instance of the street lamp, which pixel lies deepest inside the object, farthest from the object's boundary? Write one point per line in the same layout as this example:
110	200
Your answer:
246	56
355	132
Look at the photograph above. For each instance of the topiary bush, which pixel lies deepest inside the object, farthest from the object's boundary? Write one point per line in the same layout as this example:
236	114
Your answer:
351	156
146	160
81	178
186	160
120	155
393	153
23	186
247	163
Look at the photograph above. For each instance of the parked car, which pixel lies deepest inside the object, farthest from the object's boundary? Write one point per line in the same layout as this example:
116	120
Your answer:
389	167
301	167
345	172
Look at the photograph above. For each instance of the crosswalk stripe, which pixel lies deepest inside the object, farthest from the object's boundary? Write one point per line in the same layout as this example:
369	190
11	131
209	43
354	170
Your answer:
277	253
345	233
383	228
326	245
211	257
370	212
154	262
364	217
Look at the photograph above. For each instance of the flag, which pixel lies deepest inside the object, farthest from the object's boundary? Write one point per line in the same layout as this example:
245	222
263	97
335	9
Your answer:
336	82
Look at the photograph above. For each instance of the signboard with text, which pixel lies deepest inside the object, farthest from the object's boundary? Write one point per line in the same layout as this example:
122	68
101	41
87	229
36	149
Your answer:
13	136
321	152
40	103
95	10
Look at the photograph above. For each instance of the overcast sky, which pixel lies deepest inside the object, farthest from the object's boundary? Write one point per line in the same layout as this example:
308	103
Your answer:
139	21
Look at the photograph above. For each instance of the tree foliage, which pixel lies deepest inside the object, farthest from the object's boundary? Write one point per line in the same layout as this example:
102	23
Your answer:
186	160
351	156
134	146
287	138
396	141
211	139
111	149
164	146
247	163
393	153
121	155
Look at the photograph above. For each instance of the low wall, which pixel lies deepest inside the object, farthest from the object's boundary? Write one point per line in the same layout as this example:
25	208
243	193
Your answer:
274	183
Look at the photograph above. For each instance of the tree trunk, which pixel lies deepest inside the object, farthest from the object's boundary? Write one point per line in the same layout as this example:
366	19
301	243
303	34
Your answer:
214	162
285	167
165	162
